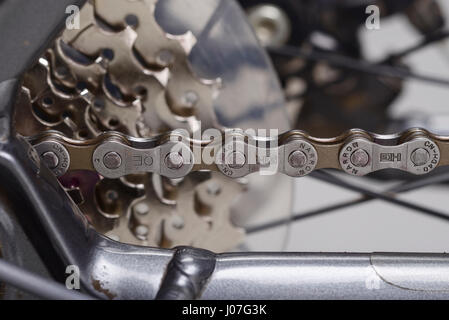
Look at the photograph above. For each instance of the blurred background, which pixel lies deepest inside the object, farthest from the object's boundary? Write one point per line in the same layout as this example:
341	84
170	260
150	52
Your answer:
378	65
326	99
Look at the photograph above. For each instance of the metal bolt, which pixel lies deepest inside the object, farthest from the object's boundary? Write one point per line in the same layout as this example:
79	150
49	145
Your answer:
165	57
50	159
271	24
297	159
112	160
213	188
141	208
420	157
236	160
142	232
360	158
178	222
190	99
174	160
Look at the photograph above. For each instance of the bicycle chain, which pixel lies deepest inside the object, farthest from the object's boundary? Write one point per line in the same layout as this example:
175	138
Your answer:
236	154
120	71
175	98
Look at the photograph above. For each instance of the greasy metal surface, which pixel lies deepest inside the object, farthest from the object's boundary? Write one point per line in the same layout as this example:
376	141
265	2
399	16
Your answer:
251	96
113	270
259	154
105	265
73	110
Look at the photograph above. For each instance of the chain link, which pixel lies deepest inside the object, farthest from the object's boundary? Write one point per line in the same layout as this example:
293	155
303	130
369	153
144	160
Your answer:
236	154
128	52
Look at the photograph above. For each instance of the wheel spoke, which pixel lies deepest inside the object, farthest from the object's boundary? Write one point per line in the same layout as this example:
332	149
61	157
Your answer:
356	64
428	40
400	188
327	177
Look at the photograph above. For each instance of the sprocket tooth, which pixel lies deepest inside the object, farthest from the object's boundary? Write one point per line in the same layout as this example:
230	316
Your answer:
187	40
90	74
212	229
55	109
115	117
114	12
23	106
140	77
157	116
86	18
187	96
165	51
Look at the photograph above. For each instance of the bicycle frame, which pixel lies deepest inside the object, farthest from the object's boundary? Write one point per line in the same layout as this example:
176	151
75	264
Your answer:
108	269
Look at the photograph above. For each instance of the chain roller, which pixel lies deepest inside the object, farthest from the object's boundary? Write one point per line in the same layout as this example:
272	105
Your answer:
236	154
